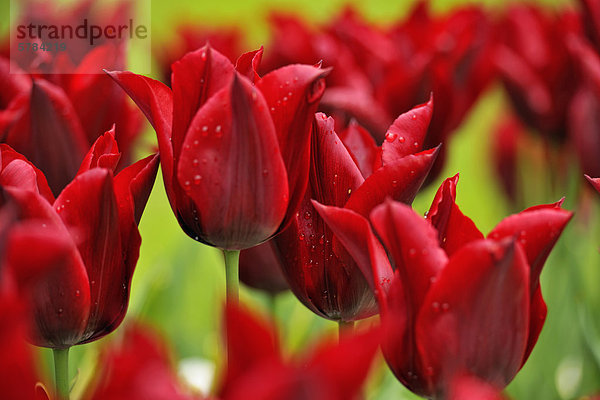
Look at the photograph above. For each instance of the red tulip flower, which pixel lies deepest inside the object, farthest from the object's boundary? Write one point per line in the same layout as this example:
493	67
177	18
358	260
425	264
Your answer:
439	325
351	172
536	68
234	146
87	297
261	269
21	269
53	119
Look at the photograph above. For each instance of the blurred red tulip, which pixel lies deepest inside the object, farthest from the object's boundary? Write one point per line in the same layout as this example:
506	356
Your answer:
86	297
53	119
234	152
536	68
357	175
137	368
423	299
257	370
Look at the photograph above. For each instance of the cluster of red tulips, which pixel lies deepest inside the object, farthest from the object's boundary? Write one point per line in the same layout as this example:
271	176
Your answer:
300	165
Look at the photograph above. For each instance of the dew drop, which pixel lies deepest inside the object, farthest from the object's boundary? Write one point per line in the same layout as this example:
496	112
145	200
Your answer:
401	139
445	307
77	293
301	237
196	143
307	215
436	306
412	252
195	162
59	311
414	117
390	136
265	172
416	144
197	179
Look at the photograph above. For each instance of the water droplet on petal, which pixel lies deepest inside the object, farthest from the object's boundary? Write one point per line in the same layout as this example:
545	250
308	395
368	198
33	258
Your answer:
301	236
307	215
401	139
390	136
414	117
197	179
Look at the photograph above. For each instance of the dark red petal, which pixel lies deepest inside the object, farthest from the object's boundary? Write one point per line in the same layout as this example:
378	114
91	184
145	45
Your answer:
132	189
595	182
454	228
354	232
196	77
478	325
156	102
538	312
362	147
407	134
413	247
292	94
537	231
50	135
89	207
248	63
61	300
20	175
231	167
400	181
333	173
134	184
104	153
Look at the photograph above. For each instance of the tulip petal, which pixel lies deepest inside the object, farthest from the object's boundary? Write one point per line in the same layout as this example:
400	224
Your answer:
22	175
465	387
50	134
354	232
196	77
400	181
537	230
292	94
407	134
477	325
454	228
104	153
156	102
232	168
333	173
61	301
89	206
595	182
248	63
538	312
413	247
362	147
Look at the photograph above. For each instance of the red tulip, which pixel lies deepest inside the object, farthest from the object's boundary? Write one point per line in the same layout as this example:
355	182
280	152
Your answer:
500	307
138	368
357	175
21	270
466	387
86	297
260	268
257	370
535	67
53	119
234	152
584	126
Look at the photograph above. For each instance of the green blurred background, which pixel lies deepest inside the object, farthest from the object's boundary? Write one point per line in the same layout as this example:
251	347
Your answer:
178	286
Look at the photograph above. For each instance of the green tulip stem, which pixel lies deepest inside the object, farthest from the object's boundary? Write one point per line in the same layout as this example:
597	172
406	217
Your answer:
345	328
232	266
61	373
